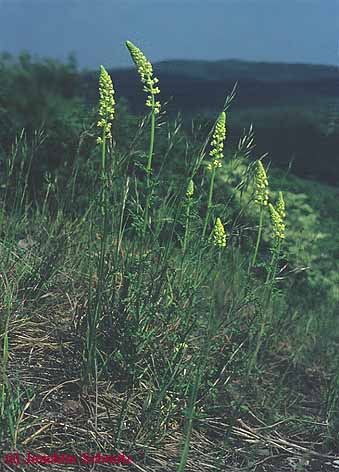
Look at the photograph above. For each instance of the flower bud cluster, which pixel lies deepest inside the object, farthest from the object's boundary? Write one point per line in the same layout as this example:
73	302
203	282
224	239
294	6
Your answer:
217	143
281	206
145	71
261	185
106	104
219	236
190	189
277	223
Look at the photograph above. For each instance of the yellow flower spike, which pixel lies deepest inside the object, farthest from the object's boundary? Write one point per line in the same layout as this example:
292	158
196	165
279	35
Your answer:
217	143
277	223
281	206
145	71
190	189
219	235
261	185
181	346
106	104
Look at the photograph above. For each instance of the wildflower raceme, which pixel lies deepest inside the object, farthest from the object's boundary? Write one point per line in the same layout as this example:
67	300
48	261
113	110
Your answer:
190	189
261	185
106	105
217	143
219	236
145	71
281	206
277	219
261	195
216	153
188	204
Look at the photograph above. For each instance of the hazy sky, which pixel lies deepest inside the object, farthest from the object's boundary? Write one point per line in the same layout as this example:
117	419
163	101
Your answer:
96	30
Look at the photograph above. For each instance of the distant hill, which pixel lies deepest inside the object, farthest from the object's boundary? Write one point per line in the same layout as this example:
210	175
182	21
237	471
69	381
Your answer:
234	69
259	84
294	107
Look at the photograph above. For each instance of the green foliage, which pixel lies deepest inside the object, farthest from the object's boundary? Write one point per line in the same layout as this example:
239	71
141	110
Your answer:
179	325
312	235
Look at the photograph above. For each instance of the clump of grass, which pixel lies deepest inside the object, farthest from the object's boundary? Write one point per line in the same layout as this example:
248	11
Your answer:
188	204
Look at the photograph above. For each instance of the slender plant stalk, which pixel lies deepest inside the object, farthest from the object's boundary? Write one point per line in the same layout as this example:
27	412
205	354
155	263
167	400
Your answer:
149	168
103	207
5	393
273	265
266	297
277	218
188	204
193	399
187	222
261	219
209	203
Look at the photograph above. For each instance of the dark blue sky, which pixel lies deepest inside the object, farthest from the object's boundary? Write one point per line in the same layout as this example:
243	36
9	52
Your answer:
265	30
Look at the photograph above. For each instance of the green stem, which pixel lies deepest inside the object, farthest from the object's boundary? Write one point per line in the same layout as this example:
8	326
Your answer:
191	415
104	209
95	313
149	168
188	210
209	203
267	296
261	218
273	264
5	392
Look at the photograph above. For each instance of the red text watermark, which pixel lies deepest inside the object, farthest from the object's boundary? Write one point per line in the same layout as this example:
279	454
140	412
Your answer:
15	459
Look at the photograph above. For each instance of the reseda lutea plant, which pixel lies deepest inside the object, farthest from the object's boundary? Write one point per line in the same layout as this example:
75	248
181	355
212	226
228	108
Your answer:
278	215
145	71
106	113
261	199
216	154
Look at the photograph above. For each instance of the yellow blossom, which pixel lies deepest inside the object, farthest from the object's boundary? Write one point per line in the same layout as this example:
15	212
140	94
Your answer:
219	235
190	189
145	71
181	346
106	104
217	143
281	206
277	223
261	185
